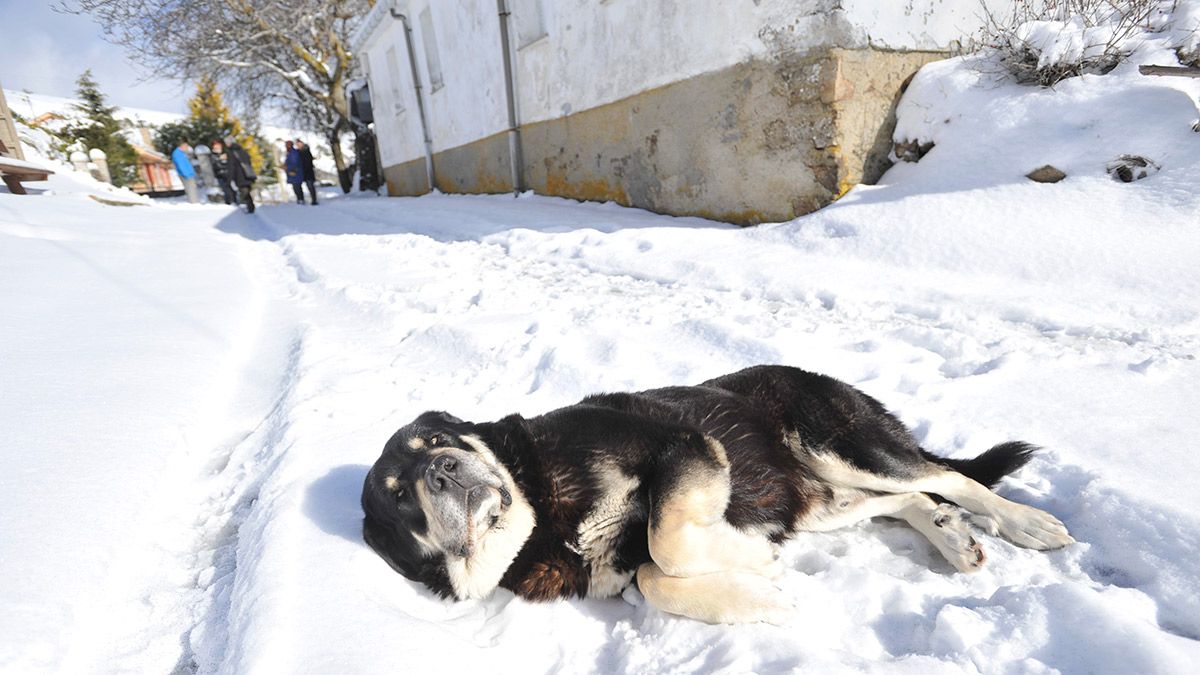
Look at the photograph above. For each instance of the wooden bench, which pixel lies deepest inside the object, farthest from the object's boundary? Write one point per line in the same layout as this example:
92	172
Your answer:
15	171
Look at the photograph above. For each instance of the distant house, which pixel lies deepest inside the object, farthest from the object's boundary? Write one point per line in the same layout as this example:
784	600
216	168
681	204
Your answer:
741	111
156	174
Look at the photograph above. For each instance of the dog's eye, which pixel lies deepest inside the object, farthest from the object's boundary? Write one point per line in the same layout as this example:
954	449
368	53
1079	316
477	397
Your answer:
434	439
400	493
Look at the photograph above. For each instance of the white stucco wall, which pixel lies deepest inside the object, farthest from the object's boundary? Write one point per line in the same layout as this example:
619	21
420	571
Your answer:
593	52
915	24
471	103
393	99
598	52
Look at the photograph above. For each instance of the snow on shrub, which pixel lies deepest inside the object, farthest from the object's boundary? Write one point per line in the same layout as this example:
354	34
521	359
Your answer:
1046	41
1185	32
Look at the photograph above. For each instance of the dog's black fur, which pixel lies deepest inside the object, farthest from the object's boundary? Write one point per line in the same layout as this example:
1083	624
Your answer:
766	417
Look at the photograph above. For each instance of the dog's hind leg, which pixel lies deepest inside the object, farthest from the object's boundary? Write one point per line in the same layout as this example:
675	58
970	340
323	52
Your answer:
721	597
944	525
688	533
1022	525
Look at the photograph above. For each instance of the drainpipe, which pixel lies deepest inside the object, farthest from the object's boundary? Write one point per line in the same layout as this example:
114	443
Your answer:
416	77
514	132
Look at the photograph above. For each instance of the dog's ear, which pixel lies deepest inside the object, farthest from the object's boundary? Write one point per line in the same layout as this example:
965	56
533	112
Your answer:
399	549
438	418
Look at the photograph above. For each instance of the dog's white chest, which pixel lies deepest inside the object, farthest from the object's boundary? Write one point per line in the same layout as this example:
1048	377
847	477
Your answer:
596	537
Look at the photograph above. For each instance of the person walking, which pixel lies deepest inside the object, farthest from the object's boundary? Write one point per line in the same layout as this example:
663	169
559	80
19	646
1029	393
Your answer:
307	170
220	167
241	172
187	172
295	170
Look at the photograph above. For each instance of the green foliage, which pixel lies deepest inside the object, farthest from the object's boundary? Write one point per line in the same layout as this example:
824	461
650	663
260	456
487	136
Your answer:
169	135
209	119
100	129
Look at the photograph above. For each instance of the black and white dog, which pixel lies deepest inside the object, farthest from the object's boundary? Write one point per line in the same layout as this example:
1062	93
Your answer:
688	489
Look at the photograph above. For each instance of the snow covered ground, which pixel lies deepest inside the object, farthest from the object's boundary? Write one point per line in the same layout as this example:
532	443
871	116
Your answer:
192	396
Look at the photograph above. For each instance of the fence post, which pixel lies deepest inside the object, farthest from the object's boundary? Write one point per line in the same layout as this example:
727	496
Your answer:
101	161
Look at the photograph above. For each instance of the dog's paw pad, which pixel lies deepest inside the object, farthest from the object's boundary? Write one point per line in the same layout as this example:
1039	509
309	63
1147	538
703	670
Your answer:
954	541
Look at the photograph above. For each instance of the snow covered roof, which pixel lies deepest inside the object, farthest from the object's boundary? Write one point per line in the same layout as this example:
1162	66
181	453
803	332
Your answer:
30	105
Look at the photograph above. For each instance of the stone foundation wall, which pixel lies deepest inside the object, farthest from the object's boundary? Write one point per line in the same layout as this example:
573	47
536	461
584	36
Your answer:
762	141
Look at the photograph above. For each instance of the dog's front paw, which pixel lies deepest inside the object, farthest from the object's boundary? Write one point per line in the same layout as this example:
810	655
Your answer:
777	612
759	601
1033	528
775	568
755	554
952	538
987	524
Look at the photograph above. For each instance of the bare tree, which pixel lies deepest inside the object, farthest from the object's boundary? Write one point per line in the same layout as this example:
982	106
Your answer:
293	52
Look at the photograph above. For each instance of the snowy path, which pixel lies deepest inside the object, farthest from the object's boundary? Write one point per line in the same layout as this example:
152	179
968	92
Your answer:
234	530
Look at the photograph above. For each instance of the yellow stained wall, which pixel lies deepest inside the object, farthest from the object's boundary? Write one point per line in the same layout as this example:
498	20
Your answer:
762	141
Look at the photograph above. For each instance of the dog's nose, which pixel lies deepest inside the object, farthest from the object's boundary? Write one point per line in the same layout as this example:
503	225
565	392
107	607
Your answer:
441	472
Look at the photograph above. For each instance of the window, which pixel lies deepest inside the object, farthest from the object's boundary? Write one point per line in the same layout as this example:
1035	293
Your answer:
432	61
527	14
393	73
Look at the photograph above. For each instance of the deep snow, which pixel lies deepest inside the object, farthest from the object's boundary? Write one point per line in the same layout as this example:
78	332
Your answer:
192	396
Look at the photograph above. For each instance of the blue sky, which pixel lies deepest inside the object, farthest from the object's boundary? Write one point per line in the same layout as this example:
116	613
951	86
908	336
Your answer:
54	48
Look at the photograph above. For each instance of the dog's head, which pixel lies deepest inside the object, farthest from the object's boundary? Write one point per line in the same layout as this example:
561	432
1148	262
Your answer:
442	510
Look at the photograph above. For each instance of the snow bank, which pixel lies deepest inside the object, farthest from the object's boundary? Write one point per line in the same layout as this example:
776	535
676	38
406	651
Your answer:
116	327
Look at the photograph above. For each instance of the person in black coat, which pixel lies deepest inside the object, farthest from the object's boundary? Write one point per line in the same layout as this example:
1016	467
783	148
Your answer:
306	168
241	172
220	167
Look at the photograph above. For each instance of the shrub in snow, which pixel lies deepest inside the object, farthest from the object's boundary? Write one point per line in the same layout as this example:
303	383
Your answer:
911	150
1046	41
1184	31
1128	168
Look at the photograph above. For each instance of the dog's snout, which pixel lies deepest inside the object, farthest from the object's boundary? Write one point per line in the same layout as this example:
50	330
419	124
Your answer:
440	474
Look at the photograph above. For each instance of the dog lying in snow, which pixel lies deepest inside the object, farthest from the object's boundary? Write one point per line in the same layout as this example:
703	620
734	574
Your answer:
687	489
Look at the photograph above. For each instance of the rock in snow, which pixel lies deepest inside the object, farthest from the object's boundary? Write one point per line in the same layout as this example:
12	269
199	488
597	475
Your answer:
1045	174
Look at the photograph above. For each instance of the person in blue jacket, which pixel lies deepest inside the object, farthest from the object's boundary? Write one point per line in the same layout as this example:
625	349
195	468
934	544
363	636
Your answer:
187	173
295	172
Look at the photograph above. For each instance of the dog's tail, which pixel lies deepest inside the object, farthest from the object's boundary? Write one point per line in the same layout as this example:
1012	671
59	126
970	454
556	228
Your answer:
992	465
